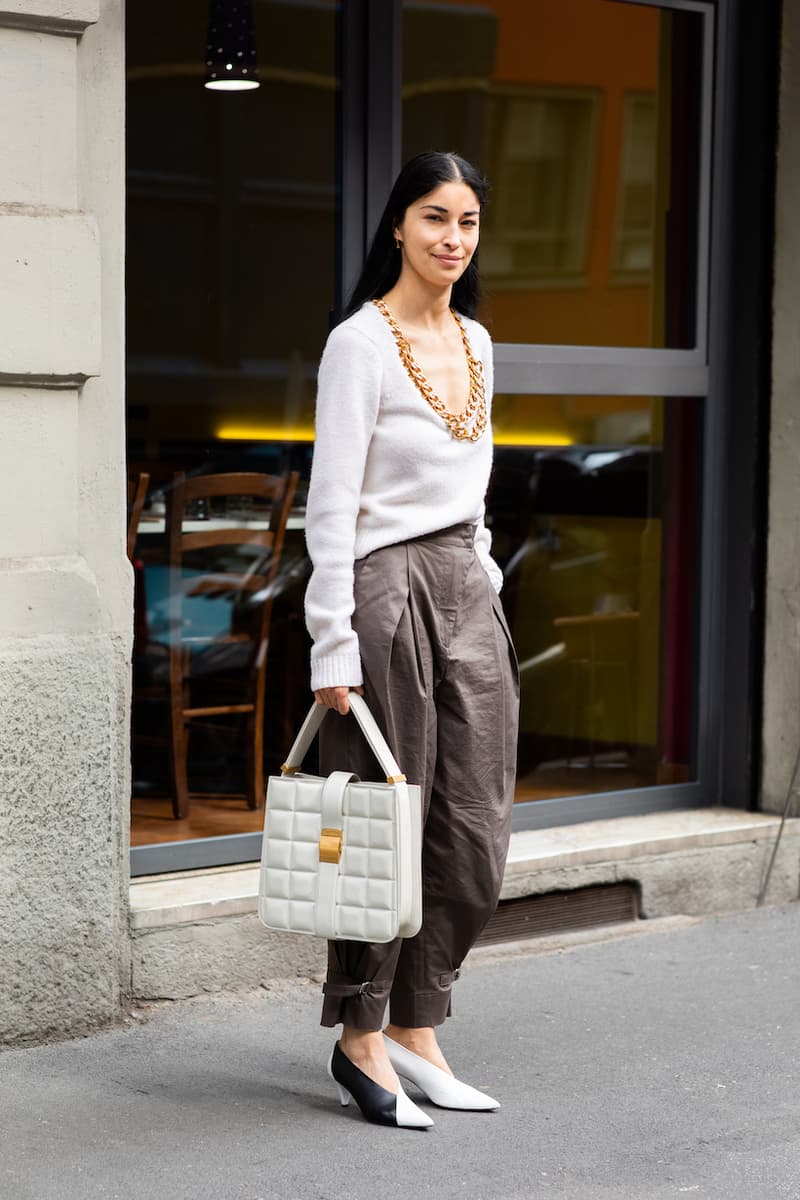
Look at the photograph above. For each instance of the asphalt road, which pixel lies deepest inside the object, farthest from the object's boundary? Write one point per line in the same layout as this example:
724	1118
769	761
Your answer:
661	1064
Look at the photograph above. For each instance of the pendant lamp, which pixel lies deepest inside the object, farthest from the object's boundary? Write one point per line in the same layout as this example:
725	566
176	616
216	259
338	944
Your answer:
231	64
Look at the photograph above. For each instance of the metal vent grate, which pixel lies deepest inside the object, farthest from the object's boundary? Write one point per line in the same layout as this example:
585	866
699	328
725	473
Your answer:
561	912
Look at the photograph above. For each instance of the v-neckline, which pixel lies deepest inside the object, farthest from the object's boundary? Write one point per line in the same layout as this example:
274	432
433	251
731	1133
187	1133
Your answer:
470	423
419	377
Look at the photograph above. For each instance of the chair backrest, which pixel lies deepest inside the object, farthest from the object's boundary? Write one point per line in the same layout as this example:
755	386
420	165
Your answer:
137	492
272	494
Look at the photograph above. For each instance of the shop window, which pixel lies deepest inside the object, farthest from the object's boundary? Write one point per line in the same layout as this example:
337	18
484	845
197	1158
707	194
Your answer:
230	285
586	117
594	512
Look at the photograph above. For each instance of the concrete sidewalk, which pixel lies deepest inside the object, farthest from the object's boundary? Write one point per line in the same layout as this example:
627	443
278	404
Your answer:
660	1064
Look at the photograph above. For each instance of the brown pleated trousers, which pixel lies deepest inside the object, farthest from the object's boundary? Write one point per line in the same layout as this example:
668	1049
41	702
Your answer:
441	679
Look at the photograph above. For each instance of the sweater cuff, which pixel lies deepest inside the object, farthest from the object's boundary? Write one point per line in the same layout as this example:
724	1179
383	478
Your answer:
336	670
494	573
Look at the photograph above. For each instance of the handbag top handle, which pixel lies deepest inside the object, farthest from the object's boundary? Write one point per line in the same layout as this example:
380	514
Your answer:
369	728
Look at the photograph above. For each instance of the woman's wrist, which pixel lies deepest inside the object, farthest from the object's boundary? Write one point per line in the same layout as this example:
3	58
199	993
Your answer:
337	698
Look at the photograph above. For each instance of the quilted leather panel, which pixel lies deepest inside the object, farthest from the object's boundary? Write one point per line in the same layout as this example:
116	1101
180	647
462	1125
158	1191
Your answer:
366	886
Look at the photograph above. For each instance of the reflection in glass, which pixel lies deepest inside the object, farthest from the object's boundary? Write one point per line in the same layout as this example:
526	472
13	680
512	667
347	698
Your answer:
594	515
585	115
230	229
538	226
230	283
634	232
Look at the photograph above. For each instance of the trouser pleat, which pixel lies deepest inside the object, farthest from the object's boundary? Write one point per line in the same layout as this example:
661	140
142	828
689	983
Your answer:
440	677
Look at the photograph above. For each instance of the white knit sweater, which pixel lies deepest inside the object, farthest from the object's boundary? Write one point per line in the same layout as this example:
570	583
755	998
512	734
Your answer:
386	468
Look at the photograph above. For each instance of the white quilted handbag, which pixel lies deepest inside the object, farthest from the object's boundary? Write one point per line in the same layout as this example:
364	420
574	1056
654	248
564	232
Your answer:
342	859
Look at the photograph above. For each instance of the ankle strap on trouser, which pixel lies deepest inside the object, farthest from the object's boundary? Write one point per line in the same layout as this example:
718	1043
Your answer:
370	987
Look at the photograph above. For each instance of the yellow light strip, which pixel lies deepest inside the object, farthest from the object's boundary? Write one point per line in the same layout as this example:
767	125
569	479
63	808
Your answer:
531	437
305	433
265	433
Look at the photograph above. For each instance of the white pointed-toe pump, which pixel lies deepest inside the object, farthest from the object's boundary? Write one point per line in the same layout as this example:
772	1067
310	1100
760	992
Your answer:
437	1085
376	1103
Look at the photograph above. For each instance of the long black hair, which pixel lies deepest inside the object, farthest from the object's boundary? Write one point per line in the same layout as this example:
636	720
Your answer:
418	177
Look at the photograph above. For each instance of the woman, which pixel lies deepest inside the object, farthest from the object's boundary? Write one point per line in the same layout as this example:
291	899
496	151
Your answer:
402	606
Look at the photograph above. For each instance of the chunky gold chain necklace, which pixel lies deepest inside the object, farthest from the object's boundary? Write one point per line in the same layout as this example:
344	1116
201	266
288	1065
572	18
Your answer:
460	424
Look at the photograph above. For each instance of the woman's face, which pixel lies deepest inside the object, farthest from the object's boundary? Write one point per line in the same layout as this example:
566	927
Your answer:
439	233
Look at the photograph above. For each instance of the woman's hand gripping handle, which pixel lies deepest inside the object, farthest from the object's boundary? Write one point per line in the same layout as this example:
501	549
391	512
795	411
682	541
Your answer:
337	697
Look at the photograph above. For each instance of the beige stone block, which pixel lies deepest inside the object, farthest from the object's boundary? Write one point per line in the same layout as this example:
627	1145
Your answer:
64	951
55	16
784	548
101	489
38	136
38	472
40	596
49	295
646	834
212	956
188	897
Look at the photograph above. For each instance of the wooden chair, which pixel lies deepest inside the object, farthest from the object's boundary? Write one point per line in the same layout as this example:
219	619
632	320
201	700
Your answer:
221	672
137	493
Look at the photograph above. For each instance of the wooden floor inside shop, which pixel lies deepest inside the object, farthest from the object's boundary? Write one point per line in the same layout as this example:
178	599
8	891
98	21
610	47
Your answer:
152	820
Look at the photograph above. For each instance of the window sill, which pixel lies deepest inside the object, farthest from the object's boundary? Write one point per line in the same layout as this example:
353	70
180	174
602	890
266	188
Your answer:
183	898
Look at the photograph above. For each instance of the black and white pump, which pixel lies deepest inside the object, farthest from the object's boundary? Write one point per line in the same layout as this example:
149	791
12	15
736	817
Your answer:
376	1104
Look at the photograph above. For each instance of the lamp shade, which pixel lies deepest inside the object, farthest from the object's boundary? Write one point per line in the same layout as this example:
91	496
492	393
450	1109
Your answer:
231	64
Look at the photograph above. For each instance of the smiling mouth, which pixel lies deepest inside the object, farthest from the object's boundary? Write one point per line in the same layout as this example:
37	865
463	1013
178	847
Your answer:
447	258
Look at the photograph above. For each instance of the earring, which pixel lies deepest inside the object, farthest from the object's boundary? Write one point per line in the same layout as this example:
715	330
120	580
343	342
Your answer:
397	243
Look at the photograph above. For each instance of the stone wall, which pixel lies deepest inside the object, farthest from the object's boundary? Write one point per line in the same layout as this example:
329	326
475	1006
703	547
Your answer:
65	583
781	738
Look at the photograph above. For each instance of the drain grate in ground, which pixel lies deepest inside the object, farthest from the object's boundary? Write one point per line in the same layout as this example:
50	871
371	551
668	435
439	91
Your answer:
561	912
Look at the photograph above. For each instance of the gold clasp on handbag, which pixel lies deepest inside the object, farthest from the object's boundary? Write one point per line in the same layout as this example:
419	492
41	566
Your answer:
330	846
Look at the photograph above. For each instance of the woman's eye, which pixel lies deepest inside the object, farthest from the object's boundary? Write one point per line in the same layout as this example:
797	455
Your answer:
469	224
434	217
